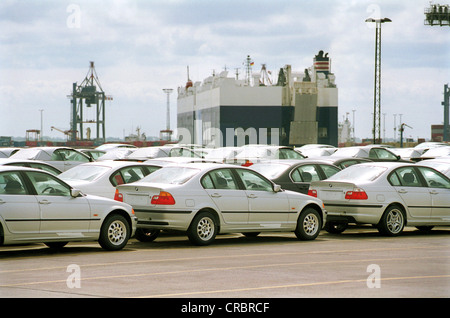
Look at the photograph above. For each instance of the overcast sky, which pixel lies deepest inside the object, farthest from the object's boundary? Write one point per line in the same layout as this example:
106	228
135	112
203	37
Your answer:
141	47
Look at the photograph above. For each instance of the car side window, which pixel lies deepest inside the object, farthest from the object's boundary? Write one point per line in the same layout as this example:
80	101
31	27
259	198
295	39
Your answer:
46	184
253	181
329	170
149	169
408	177
306	173
12	183
290	154
348	163
58	155
221	179
71	155
132	174
207	182
116	179
394	180
378	153
434	179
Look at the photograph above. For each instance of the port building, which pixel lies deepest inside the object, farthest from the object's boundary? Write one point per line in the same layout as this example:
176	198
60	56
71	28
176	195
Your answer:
300	108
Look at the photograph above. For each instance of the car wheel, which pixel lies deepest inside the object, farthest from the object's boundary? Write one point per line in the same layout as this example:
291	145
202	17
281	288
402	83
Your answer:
203	229
335	227
392	222
145	235
56	245
309	224
114	233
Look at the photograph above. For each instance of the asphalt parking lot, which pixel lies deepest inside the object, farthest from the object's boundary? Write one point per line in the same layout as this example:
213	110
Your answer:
357	263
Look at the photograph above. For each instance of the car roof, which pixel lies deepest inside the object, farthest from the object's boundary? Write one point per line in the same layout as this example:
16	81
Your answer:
12	160
205	165
117	163
292	162
19	168
387	164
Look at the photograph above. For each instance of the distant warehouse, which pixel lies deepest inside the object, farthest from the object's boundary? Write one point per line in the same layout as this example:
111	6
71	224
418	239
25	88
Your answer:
301	108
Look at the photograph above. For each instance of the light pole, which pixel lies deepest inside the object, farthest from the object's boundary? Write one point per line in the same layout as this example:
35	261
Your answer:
168	91
42	126
377	84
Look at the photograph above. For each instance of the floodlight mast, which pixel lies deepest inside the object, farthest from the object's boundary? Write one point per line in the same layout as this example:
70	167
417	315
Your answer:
377	80
168	91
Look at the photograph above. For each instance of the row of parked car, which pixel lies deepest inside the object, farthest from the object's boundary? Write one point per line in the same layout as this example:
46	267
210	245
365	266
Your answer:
250	189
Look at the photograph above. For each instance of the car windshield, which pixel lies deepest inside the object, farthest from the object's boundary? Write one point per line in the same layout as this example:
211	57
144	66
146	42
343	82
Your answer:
270	170
439	151
84	173
30	153
145	152
222	153
253	152
346	152
358	173
171	175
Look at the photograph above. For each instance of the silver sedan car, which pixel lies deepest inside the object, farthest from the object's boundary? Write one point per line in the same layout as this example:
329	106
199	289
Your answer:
101	178
62	158
36	206
205	199
386	194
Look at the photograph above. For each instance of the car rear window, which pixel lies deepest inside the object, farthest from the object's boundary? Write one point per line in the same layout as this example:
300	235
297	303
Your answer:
171	175
358	173
270	170
84	173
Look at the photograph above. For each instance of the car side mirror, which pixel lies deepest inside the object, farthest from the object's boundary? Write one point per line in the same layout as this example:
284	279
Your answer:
75	193
276	188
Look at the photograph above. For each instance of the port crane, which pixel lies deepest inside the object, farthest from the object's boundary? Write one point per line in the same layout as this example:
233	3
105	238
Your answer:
68	133
88	94
402	129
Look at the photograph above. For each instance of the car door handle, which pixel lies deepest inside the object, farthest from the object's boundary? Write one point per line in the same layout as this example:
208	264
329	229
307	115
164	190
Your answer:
252	196
44	202
434	192
1	202
402	191
216	195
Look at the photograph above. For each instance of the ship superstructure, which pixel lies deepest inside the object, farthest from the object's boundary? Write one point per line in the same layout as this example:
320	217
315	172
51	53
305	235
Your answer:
301	108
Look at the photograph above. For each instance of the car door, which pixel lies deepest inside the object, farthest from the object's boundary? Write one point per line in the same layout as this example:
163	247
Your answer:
18	208
223	189
439	189
416	196
267	208
61	214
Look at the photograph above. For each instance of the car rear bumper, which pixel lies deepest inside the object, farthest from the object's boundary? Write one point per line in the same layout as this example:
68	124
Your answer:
164	219
354	213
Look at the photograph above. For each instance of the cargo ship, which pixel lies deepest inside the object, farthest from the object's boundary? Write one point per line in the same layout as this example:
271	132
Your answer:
300	108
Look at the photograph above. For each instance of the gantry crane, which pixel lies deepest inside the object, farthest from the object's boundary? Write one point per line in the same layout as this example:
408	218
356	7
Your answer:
86	94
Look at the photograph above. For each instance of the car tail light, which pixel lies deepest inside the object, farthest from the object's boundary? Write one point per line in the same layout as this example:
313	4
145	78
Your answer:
163	198
312	193
247	163
356	194
118	196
